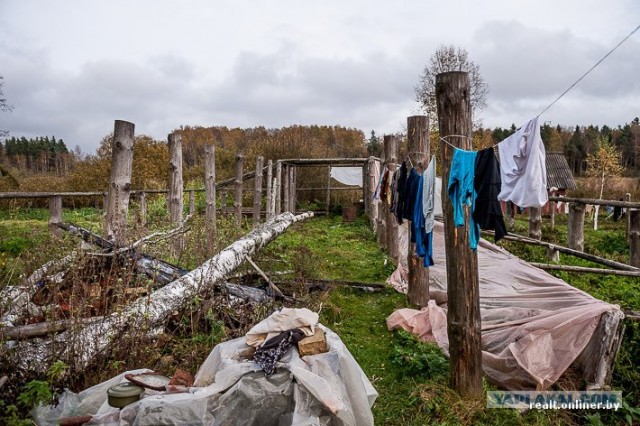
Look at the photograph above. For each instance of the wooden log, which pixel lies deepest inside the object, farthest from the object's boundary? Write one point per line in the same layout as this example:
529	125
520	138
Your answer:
42	328
314	344
210	195
418	152
279	187
371	189
576	253
270	188
553	254
575	227
257	190
463	310
175	196
596	201
585	270
156	269
265	277
117	205
55	215
535	223
80	347
237	204
634	237
391	157
143	208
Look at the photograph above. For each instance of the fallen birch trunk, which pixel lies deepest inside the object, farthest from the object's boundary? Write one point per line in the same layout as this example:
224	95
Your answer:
80	347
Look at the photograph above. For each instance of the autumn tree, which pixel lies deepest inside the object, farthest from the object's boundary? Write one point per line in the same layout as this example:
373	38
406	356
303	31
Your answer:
602	164
445	59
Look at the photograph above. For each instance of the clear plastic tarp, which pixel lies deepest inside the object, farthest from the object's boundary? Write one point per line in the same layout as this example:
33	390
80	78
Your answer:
534	326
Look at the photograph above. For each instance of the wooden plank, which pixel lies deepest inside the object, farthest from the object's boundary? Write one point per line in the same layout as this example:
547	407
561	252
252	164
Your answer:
237	204
596	201
257	190
634	237
575	227
586	270
175	196
269	214
463	310
210	195
55	215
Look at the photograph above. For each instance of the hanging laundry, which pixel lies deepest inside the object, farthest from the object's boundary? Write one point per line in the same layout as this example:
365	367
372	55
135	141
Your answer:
384	184
429	195
400	189
380	179
423	238
487	212
461	191
523	167
409	196
392	194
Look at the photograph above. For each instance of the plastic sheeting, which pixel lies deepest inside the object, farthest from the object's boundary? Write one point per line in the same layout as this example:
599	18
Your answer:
323	389
347	175
534	325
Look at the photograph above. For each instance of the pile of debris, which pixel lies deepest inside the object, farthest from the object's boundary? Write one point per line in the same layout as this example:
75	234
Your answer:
262	378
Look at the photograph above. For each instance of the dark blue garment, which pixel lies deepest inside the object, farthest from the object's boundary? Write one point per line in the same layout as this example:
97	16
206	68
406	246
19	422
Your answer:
411	190
423	239
400	192
461	191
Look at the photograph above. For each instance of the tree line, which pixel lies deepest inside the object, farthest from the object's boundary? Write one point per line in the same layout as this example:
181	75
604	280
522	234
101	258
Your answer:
36	155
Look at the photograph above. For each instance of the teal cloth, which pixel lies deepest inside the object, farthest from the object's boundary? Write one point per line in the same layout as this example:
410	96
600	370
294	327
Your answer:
461	192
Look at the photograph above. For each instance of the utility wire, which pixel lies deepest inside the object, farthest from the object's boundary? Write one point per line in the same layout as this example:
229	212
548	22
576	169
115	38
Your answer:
591	69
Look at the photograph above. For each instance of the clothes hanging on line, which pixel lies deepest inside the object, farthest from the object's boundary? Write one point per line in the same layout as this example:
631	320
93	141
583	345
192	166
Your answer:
400	189
487	212
523	168
423	238
429	195
461	191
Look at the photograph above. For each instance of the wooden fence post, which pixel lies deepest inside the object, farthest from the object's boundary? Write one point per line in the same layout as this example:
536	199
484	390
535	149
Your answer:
210	194
463	311
257	190
328	202
627	197
117	205
293	186
373	205
143	208
55	215
535	223
175	195
634	237
391	157
238	188
418	152
286	193
278	187
270	189
575	239
192	201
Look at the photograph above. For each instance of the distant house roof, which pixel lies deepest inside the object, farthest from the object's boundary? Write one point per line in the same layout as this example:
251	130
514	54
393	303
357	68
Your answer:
558	172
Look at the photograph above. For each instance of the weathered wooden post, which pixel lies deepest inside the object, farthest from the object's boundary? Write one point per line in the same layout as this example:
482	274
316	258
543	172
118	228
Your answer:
278	187
535	223
175	196
293	186
373	205
286	191
143	208
553	214
627	197
192	202
270	189
237	204
634	237
55	215
117	205
210	194
272	200
463	312
365	189
391	157
418	151
257	190
575	239
328	202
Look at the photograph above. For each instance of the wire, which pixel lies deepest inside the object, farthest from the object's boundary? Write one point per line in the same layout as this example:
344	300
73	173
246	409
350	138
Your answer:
453	136
590	69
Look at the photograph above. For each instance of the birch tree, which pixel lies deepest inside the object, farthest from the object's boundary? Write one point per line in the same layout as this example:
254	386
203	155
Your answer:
605	162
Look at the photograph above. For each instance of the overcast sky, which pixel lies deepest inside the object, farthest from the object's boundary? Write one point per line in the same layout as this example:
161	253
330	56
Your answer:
72	67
